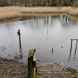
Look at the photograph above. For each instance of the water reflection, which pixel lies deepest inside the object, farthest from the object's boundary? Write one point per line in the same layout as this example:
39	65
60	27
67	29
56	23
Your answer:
43	33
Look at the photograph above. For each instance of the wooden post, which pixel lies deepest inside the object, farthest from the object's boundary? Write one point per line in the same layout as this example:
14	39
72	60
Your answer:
52	51
31	64
20	46
76	47
69	57
71	46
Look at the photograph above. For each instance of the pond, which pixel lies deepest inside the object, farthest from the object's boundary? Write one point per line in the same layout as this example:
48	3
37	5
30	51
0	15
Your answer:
51	36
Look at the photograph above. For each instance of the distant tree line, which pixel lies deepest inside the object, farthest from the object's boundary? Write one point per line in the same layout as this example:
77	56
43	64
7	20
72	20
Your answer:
39	2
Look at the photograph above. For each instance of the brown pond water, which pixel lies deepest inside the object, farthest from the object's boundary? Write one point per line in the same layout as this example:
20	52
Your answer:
42	33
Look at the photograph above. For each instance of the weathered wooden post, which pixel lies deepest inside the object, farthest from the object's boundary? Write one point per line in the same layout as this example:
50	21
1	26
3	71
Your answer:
71	46
76	47
20	46
52	50
69	57
31	64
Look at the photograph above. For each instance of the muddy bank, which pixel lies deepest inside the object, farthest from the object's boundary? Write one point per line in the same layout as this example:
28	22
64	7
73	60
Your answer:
21	13
56	71
13	69
10	70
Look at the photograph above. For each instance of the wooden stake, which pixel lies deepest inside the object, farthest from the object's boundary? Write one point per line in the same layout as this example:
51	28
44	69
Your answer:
76	47
71	47
20	46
